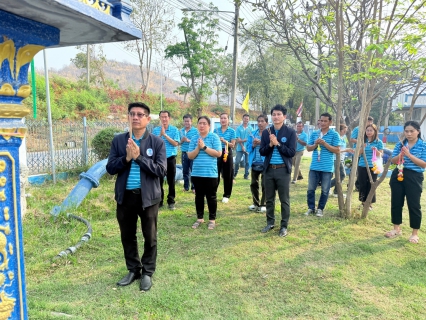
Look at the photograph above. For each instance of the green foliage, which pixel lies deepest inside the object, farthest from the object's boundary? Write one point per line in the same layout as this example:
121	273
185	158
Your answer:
101	143
197	51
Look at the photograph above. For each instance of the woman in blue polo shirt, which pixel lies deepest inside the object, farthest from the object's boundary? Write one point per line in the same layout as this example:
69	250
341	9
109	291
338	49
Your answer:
406	181
204	149
371	142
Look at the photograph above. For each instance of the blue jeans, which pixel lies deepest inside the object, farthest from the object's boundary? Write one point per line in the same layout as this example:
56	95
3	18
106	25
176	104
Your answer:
238	158
314	178
186	171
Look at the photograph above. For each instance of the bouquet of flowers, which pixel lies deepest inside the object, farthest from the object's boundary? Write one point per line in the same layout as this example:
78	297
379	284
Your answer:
225	155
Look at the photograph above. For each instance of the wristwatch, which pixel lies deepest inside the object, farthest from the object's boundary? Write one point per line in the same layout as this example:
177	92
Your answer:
205	147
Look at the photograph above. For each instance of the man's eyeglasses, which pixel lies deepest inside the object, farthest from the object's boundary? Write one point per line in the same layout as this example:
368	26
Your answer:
140	115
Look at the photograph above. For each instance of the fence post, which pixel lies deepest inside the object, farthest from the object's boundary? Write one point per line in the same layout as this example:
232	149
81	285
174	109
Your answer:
85	150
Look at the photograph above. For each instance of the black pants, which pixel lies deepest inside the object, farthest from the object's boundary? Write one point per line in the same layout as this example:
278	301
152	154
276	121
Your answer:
205	187
227	170
127	217
277	179
364	183
171	173
254	187
411	188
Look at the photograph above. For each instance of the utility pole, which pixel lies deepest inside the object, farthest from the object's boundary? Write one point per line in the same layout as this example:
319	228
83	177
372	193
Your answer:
88	64
234	63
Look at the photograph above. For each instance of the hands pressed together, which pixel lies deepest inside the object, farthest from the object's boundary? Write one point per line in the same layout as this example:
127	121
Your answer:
132	150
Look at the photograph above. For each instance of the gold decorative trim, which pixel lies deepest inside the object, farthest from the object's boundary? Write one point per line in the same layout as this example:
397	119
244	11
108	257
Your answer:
25	55
16	230
7	51
24	91
13	110
7	90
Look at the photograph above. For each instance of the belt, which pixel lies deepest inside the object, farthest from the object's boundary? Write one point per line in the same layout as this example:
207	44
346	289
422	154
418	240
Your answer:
135	191
277	166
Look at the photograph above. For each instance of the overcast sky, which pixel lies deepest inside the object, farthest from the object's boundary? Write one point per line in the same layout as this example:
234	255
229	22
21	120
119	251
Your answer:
60	57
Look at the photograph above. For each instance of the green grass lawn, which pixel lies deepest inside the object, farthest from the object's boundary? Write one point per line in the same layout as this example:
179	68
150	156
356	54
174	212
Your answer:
326	268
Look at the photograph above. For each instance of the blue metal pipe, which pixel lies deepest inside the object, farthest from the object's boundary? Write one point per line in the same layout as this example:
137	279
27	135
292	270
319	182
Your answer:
88	180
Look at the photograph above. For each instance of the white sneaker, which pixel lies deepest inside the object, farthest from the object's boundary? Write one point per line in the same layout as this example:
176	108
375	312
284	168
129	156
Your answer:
310	211
252	207
293	182
225	200
261	209
319	213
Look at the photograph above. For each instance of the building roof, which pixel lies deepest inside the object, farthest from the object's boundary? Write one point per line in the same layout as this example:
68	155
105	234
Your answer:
79	21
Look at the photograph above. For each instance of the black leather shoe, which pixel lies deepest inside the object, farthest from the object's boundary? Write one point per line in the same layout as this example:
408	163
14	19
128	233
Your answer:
283	232
146	283
128	279
267	228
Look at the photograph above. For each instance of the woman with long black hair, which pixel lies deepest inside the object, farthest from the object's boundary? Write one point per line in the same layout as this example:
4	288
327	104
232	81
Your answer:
406	181
371	144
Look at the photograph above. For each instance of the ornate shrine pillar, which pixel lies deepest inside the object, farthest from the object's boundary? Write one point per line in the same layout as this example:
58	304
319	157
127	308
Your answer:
20	40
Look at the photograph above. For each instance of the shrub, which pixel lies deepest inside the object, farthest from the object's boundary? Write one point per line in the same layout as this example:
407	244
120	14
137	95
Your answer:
101	143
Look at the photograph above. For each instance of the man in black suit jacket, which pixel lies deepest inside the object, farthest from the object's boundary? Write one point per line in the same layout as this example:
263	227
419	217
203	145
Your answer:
139	160
278	146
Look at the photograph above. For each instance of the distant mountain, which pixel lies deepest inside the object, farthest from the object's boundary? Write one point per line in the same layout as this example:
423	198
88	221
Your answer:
126	75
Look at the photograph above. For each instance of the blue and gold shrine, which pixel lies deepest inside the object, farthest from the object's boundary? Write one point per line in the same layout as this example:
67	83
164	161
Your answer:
26	27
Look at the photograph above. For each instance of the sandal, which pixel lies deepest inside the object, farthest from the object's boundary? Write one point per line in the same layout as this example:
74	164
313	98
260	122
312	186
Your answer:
196	224
414	239
393	234
211	225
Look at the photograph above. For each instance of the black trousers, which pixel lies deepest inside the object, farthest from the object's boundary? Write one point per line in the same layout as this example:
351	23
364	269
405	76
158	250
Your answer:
364	183
205	187
127	217
254	187
227	170
411	188
277	179
171	173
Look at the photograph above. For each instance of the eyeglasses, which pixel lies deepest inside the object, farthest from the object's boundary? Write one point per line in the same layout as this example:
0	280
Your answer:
140	115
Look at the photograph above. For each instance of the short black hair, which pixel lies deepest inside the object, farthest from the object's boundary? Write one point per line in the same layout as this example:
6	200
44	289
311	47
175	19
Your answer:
187	116
279	107
300	122
326	114
246	115
138	105
204	117
164	111
370	118
263	116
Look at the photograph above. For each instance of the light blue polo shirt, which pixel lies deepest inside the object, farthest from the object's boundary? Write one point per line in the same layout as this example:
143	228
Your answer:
418	150
228	135
173	133
134	178
188	134
324	160
276	156
243	134
304	137
204	165
369	152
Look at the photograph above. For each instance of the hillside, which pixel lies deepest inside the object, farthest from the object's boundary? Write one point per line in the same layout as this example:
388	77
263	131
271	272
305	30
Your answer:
127	76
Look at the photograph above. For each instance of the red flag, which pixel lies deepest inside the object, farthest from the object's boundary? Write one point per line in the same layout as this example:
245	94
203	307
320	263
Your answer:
299	111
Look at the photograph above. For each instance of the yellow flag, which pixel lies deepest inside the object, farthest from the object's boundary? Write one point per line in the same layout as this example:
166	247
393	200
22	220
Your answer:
245	104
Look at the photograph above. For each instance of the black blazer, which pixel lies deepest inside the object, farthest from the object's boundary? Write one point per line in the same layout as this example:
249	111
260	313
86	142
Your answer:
153	164
287	138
